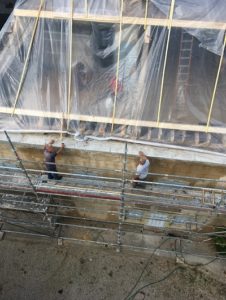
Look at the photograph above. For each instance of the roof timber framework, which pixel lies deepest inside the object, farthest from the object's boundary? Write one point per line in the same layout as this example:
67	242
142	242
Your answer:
124	20
121	20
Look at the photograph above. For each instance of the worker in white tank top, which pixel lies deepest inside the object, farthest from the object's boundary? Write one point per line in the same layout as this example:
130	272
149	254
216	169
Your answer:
142	169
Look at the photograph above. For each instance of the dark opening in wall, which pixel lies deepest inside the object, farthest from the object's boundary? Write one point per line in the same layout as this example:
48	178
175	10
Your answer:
6	10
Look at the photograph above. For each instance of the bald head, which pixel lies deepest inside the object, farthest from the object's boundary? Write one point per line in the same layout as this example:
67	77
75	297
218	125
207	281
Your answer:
49	148
141	153
142	160
51	142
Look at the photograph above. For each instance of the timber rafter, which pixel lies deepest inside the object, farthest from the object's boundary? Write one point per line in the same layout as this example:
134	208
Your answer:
108	120
125	20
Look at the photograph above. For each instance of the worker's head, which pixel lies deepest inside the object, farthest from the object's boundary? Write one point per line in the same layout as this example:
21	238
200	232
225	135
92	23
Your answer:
141	153
51	142
142	160
49	148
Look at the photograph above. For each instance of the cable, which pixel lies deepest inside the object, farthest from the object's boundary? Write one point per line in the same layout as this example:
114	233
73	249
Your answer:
189	264
201	265
145	267
154	282
167	276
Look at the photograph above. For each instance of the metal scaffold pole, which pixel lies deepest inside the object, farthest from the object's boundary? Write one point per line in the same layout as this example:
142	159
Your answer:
122	200
22	166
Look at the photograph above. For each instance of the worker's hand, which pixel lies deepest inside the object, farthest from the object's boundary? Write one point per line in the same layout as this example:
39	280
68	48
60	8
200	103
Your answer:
51	142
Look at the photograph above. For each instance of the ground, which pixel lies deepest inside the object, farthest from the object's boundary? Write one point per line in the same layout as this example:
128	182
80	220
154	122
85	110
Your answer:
40	269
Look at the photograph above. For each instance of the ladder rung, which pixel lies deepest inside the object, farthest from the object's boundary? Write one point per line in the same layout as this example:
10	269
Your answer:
184	66
182	80
187	42
187	59
186	49
181	72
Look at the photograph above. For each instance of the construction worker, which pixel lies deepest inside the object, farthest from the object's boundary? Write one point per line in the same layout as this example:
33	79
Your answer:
50	154
142	170
113	83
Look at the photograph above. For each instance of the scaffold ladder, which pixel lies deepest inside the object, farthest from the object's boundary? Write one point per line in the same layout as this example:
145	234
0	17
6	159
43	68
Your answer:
184	66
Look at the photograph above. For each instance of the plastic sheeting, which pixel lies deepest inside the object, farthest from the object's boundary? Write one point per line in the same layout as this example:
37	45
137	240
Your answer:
102	77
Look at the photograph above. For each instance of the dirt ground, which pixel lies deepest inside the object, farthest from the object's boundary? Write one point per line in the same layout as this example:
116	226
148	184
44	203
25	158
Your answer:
39	269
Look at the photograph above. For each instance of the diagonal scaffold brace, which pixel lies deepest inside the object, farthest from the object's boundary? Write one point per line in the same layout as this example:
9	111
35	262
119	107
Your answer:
22	166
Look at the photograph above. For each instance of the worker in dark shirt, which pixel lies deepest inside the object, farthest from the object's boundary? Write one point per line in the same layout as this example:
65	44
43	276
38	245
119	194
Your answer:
50	155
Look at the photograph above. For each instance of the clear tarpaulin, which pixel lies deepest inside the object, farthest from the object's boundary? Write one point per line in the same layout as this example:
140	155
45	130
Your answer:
150	70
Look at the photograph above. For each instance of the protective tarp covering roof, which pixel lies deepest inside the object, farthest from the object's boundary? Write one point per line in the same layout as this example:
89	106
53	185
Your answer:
151	70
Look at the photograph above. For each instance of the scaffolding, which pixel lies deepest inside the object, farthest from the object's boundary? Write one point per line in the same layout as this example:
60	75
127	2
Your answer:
42	52
91	207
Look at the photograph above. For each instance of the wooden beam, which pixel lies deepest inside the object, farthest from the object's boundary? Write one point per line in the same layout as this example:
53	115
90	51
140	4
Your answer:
117	67
165	58
69	98
108	120
216	84
125	20
24	72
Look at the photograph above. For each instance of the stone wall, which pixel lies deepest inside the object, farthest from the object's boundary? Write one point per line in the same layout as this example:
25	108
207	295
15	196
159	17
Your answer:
73	160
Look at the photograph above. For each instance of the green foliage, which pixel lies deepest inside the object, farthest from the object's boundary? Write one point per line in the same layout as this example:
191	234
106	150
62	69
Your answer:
220	241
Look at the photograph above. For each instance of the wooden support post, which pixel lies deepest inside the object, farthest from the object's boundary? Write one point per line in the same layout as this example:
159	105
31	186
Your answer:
146	15
215	85
69	67
62	127
24	72
117	67
165	59
86	8
203	197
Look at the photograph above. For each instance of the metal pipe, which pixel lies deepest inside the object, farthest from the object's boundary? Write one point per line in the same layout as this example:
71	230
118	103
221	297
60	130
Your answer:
193	233
122	200
112	138
21	165
91	210
109	170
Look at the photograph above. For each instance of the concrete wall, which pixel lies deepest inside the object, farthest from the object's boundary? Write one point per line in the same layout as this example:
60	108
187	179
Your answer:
83	159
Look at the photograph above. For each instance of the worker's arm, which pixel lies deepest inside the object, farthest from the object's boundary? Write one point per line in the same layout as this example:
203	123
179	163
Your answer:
61	148
147	163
